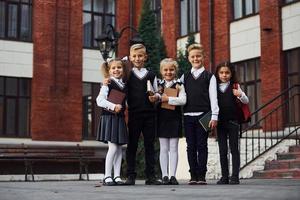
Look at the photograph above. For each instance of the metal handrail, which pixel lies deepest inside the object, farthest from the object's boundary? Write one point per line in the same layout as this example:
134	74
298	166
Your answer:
277	133
271	147
275	98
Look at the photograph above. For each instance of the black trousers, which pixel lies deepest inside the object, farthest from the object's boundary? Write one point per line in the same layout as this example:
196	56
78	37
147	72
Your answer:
141	123
229	130
196	138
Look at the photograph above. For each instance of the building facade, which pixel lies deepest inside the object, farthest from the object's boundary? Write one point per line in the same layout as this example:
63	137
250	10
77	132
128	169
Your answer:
49	62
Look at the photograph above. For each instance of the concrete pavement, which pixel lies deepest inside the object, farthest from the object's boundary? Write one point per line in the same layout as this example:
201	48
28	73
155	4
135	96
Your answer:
249	189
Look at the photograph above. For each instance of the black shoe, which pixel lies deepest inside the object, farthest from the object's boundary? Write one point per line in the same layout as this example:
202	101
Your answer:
118	181
173	181
223	181
108	183
201	180
130	181
234	181
153	181
194	179
165	180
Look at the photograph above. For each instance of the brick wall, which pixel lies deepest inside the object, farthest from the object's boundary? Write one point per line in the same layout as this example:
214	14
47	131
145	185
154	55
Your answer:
271	60
56	107
222	17
170	25
205	30
123	20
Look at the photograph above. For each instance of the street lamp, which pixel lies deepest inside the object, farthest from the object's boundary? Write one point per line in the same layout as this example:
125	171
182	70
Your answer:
109	40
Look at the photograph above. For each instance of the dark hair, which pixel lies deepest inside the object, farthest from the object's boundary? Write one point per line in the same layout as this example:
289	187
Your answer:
233	78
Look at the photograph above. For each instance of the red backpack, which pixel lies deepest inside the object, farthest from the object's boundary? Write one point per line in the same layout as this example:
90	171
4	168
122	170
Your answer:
243	110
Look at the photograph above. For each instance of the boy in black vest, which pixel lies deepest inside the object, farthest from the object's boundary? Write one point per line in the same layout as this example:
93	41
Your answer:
201	90
141	115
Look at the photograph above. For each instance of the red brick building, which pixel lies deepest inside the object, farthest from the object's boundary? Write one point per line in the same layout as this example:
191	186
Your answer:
49	64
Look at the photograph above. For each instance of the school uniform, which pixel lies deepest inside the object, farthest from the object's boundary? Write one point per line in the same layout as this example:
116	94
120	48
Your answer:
170	121
112	127
170	130
141	119
201	89
228	127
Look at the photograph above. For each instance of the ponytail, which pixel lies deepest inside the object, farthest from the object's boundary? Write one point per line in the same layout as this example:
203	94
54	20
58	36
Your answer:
105	69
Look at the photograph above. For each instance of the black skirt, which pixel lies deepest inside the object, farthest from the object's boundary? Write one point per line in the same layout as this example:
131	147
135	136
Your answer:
112	128
169	123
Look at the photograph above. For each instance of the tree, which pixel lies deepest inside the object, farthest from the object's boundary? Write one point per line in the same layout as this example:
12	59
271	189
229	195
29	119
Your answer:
184	64
151	37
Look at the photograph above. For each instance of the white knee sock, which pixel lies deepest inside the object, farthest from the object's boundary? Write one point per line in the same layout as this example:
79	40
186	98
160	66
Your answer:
118	161
164	155
173	155
110	156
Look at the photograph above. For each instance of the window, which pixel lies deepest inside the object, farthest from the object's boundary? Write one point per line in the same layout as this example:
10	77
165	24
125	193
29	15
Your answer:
16	19
289	1
248	74
15	107
96	14
189	16
292	60
244	8
156	8
91	112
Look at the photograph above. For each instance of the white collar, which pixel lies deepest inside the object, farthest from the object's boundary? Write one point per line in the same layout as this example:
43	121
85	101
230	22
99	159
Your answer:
170	82
199	70
119	81
224	86
139	69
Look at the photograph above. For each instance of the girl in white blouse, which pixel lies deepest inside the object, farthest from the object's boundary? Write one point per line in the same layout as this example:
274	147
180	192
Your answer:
170	120
229	91
112	126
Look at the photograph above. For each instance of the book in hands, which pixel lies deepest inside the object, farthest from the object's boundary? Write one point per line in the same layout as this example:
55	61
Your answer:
170	92
116	97
204	121
150	90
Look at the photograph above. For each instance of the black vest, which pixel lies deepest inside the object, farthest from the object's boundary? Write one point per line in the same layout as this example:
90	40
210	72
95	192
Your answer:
227	104
114	85
197	91
137	97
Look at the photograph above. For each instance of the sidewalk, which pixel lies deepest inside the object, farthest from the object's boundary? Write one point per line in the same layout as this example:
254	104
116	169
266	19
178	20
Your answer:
249	189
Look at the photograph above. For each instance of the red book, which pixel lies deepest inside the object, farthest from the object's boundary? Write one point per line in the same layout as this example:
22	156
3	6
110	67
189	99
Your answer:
116	96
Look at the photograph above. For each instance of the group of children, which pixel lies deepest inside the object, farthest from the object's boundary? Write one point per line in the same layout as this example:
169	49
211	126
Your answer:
197	91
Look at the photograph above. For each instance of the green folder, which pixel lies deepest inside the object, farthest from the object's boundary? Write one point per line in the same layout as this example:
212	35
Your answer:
204	121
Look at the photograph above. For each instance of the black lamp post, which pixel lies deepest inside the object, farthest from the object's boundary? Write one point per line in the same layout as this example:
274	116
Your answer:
109	40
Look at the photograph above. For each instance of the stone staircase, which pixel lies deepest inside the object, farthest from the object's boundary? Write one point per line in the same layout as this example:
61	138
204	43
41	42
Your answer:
287	166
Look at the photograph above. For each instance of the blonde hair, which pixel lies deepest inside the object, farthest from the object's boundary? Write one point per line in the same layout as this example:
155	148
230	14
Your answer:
106	66
195	46
171	61
138	47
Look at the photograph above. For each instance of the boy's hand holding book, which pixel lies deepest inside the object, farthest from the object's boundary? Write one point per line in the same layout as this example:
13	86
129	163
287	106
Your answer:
213	124
153	98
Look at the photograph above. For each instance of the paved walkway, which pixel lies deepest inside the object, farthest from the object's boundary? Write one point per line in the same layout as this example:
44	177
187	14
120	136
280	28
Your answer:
251	189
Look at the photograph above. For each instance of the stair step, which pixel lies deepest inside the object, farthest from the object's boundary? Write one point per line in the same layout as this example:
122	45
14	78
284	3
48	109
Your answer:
294	148
288	156
278	173
282	164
